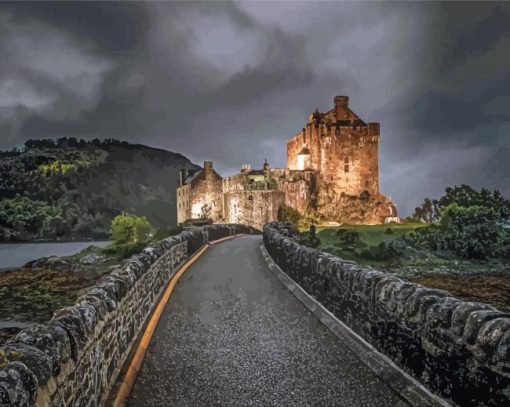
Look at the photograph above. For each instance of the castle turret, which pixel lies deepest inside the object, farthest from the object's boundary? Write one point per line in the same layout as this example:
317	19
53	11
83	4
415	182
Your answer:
266	168
245	169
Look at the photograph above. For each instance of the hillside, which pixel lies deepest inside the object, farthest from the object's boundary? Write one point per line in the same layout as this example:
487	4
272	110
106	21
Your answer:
70	189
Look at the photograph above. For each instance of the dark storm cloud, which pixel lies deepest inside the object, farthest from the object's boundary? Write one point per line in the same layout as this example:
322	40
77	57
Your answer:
455	125
232	82
114	29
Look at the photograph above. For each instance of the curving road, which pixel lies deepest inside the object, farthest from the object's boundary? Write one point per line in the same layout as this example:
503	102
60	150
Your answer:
233	335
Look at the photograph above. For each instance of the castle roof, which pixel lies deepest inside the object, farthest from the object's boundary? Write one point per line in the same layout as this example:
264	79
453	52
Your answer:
191	177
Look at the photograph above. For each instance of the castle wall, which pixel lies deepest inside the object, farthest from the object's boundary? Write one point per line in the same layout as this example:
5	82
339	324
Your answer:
206	188
233	183
253	208
183	203
346	156
299	188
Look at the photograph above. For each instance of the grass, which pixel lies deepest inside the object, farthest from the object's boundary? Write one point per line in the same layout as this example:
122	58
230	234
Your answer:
371	235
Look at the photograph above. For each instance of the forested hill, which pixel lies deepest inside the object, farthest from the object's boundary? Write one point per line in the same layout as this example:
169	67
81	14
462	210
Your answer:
68	189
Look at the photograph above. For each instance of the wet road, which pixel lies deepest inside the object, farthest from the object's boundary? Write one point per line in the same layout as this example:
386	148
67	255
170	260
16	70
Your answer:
233	335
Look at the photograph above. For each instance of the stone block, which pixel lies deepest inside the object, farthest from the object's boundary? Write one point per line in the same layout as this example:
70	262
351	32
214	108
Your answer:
18	385
37	361
72	321
52	340
475	321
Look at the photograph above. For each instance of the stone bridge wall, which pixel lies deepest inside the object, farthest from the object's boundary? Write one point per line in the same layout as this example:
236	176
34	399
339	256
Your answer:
74	359
460	350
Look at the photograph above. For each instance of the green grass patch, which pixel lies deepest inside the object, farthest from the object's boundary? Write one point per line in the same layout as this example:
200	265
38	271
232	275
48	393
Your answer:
370	235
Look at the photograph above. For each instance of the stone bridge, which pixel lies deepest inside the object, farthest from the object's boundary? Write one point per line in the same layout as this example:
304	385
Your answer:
219	315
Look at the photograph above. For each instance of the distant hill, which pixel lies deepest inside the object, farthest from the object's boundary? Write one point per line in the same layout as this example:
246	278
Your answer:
69	189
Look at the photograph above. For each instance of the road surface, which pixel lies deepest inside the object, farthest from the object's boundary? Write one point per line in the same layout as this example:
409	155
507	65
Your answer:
233	335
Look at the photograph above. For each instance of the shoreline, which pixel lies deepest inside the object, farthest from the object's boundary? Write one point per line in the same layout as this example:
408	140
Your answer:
53	241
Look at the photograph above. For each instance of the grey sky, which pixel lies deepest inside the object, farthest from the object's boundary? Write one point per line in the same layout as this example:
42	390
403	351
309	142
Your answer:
231	82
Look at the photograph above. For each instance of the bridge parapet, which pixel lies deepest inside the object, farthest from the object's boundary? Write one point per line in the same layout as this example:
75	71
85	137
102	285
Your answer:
75	358
460	350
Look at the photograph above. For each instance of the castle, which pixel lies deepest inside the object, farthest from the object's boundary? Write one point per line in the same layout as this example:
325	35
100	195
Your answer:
332	176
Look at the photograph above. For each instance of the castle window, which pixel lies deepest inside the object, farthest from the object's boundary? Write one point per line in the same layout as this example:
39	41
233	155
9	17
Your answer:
366	183
346	167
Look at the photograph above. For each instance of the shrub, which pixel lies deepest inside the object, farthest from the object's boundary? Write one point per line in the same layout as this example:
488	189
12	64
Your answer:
309	239
388	231
129	229
348	236
383	251
164	232
289	214
472	232
424	238
123	250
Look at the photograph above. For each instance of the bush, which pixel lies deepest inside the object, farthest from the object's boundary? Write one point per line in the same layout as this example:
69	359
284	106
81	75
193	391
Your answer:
388	231
124	250
424	238
289	214
309	239
472	232
129	229
383	251
348	236
163	233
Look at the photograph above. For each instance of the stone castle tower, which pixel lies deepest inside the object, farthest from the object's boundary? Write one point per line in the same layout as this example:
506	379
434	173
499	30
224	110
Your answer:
342	150
332	176
340	147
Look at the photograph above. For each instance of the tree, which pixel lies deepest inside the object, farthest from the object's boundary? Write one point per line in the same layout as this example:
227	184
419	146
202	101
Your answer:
129	229
428	212
431	210
471	232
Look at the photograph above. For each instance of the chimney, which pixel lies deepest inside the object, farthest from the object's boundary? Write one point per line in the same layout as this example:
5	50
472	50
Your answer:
182	176
245	168
341	105
208	166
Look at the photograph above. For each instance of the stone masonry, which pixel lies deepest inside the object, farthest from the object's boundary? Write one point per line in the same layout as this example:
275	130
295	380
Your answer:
74	359
460	350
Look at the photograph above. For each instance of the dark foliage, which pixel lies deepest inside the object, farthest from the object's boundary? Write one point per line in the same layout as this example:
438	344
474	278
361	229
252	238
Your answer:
289	214
470	232
383	251
431	209
348	236
72	189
